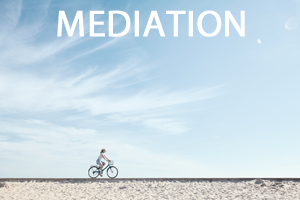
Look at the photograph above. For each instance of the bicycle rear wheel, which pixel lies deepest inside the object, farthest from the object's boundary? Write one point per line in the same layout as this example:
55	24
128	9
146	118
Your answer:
112	172
94	172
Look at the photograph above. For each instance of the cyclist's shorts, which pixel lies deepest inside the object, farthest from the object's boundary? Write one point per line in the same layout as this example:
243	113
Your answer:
99	162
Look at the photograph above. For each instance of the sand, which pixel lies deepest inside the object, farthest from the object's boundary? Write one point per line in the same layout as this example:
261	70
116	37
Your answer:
254	189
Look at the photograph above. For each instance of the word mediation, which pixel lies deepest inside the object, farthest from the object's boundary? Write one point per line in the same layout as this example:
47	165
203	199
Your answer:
152	24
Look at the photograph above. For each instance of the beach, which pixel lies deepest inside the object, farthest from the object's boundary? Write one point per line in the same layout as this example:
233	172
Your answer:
150	189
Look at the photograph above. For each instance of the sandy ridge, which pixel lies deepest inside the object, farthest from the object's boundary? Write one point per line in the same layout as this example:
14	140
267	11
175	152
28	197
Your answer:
146	179
279	188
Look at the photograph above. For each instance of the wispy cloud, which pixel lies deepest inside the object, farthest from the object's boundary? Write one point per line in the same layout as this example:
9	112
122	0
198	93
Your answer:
89	91
11	12
102	46
78	148
157	120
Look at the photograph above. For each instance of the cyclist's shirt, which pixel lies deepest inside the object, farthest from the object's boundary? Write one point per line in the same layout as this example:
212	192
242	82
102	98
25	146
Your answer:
100	156
98	161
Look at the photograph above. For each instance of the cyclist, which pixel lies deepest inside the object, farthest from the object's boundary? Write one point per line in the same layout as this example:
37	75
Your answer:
101	163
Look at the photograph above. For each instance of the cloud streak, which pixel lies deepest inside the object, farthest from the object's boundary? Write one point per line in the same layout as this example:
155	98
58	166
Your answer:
77	148
90	91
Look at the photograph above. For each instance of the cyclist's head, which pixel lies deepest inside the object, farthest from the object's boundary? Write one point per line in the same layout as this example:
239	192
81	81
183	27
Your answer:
102	151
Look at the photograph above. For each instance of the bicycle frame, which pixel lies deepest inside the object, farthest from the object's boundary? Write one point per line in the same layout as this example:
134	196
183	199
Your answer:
102	169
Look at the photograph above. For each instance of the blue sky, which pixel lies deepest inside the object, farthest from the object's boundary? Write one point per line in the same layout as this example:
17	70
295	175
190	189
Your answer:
161	106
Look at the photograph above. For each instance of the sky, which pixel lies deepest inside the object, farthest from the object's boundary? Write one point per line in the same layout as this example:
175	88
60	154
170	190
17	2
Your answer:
160	106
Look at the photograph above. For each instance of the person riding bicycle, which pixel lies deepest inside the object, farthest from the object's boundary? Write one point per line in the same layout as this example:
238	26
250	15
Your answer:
101	163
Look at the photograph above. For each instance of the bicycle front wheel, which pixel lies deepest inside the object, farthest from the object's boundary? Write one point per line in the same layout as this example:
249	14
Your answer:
94	172
112	172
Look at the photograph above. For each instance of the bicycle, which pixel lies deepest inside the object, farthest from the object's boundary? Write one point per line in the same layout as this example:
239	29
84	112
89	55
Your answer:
112	171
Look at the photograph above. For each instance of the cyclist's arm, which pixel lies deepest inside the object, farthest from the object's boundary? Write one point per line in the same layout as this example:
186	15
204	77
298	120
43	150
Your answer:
105	158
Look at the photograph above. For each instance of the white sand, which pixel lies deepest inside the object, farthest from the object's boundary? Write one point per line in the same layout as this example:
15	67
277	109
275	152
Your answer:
151	190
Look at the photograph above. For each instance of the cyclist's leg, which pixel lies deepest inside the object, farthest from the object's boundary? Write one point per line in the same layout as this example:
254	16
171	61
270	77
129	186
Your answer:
101	167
